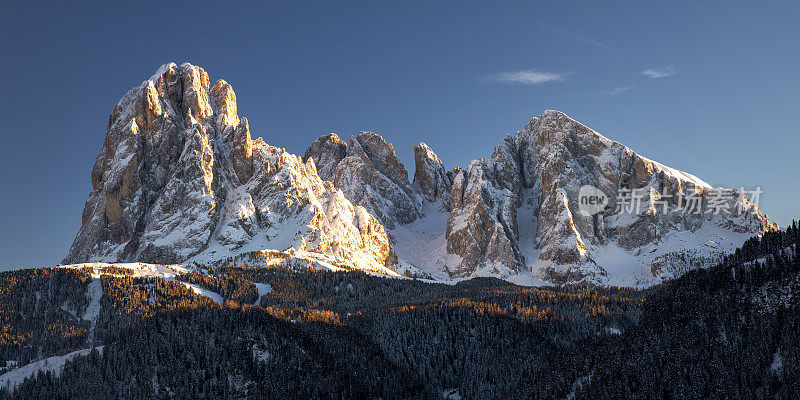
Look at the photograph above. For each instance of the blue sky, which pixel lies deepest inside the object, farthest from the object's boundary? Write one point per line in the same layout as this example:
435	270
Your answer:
707	87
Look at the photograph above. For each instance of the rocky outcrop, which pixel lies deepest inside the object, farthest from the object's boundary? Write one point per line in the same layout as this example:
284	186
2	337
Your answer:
179	179
482	229
327	152
430	178
371	176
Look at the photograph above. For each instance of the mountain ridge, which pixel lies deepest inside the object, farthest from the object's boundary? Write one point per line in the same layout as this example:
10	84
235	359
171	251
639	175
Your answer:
179	179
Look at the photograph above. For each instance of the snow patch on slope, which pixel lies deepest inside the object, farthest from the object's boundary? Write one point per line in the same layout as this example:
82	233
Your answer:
422	243
15	377
164	271
197	289
262	288
95	292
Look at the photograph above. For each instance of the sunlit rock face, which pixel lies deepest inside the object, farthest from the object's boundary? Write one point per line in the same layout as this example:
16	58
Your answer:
531	184
179	179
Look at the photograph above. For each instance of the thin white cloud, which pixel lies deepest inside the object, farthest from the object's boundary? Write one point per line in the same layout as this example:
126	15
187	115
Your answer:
528	77
574	36
590	40
657	73
619	90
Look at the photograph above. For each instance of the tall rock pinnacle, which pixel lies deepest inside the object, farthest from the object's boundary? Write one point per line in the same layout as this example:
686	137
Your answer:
327	152
430	178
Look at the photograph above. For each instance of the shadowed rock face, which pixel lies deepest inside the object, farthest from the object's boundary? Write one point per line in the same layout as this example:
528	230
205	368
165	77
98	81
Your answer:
327	152
482	229
430	178
179	178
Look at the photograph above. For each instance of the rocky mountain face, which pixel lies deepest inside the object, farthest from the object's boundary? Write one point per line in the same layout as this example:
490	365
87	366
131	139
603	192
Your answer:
517	214
430	178
179	179
519	210
327	152
369	173
371	176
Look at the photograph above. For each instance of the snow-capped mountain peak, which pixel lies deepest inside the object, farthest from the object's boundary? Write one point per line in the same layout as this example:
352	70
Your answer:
180	179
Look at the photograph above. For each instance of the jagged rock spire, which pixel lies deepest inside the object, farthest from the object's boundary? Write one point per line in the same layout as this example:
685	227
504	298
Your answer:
430	178
327	151
372	176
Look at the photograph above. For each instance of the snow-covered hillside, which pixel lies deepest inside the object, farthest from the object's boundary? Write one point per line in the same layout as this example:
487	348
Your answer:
55	364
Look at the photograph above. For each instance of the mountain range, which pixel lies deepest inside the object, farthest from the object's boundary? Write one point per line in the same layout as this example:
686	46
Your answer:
179	179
